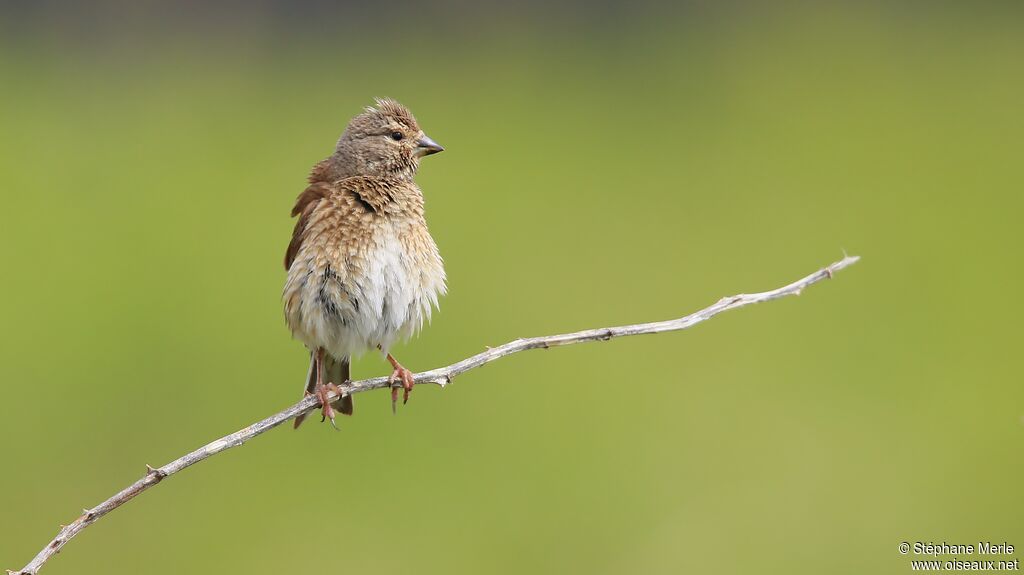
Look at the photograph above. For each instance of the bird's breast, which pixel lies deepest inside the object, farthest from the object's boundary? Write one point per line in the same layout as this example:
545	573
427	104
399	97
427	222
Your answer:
371	292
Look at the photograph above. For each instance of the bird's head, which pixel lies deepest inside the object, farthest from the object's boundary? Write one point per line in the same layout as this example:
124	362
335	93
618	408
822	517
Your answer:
383	141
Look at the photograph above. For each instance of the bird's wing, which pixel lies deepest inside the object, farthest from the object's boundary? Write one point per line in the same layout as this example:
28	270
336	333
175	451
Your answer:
305	205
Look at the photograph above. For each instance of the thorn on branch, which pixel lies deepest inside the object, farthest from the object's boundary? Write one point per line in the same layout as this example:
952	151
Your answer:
155	472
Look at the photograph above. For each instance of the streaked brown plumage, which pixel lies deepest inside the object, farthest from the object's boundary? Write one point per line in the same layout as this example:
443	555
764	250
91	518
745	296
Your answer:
363	270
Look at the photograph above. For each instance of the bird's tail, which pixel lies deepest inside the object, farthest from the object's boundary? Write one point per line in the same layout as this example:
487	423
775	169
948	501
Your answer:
335	371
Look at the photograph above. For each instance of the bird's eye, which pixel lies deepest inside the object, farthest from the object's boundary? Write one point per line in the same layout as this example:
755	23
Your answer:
396	136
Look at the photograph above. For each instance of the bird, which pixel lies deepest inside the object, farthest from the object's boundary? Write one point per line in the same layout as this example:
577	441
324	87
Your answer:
363	270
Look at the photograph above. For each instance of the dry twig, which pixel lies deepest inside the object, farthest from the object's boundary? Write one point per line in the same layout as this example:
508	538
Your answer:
441	376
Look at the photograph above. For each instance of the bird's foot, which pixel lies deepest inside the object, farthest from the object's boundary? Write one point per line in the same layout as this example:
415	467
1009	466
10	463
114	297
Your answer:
400	374
322	392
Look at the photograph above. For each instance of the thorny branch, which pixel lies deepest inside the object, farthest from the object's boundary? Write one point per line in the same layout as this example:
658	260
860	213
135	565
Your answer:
441	376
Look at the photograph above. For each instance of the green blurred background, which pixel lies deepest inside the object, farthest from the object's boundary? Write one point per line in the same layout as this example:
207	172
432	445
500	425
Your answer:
606	164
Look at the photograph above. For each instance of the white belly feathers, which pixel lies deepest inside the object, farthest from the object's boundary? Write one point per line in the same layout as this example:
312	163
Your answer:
348	312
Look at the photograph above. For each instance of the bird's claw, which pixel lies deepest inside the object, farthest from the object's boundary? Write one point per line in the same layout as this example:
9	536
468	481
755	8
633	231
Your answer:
403	375
322	392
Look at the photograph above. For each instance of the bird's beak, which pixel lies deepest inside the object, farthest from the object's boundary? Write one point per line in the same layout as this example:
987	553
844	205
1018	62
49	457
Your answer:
426	146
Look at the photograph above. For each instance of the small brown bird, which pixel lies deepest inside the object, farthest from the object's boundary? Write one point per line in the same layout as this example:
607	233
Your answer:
363	271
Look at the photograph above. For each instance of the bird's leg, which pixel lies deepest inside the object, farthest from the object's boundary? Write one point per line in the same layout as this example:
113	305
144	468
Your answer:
321	391
399	374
